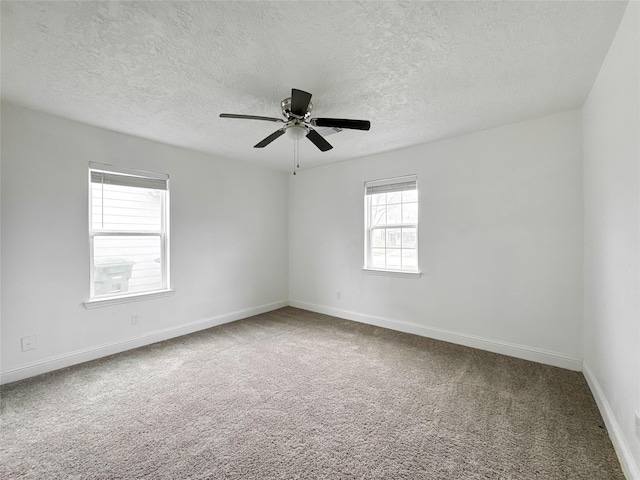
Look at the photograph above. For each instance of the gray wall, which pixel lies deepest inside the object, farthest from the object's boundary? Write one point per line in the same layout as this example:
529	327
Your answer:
500	241
611	127
229	249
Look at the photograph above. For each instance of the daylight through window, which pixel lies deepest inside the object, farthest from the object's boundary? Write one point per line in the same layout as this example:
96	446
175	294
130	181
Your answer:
391	224
128	232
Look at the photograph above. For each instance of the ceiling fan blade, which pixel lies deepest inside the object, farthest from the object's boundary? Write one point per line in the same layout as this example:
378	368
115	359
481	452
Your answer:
250	117
299	102
342	123
269	139
319	141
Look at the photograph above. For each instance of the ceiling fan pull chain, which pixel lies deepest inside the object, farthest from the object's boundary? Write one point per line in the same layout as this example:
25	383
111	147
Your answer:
294	157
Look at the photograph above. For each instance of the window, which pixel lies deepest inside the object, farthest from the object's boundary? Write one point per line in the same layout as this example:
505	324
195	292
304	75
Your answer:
391	224
128	232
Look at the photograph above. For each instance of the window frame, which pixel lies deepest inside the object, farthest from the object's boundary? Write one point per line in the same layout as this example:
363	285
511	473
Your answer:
368	228
163	235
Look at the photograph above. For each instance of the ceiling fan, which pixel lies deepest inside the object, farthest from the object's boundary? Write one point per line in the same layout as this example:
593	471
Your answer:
298	123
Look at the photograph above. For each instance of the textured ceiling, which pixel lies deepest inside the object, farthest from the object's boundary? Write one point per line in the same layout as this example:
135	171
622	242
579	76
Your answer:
419	71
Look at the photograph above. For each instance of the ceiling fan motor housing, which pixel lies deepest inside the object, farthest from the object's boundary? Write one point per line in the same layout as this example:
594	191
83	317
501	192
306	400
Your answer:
287	113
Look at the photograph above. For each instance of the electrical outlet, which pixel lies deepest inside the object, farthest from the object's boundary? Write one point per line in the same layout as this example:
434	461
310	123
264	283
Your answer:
339	295
135	319
28	343
637	424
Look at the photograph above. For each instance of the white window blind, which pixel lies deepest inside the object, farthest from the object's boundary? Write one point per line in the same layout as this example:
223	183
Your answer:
127	180
391	224
128	232
397	186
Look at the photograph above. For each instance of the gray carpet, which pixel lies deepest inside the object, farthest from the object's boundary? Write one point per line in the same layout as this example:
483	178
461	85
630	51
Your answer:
296	395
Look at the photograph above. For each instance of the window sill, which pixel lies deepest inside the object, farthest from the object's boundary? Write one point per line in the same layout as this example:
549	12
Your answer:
105	302
392	273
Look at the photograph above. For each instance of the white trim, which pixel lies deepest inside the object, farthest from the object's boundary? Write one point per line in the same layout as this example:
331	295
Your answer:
496	346
93	353
623	450
392	273
135	297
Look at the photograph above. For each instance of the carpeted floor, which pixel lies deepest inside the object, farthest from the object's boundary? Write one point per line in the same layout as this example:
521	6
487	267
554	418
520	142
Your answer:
297	395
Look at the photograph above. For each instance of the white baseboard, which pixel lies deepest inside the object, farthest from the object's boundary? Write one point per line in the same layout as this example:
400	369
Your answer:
93	353
511	349
629	466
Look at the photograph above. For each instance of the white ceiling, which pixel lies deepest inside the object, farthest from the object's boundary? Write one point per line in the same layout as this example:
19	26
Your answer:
419	71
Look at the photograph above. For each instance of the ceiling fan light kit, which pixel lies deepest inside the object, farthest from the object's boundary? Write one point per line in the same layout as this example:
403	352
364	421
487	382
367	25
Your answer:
295	132
298	123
